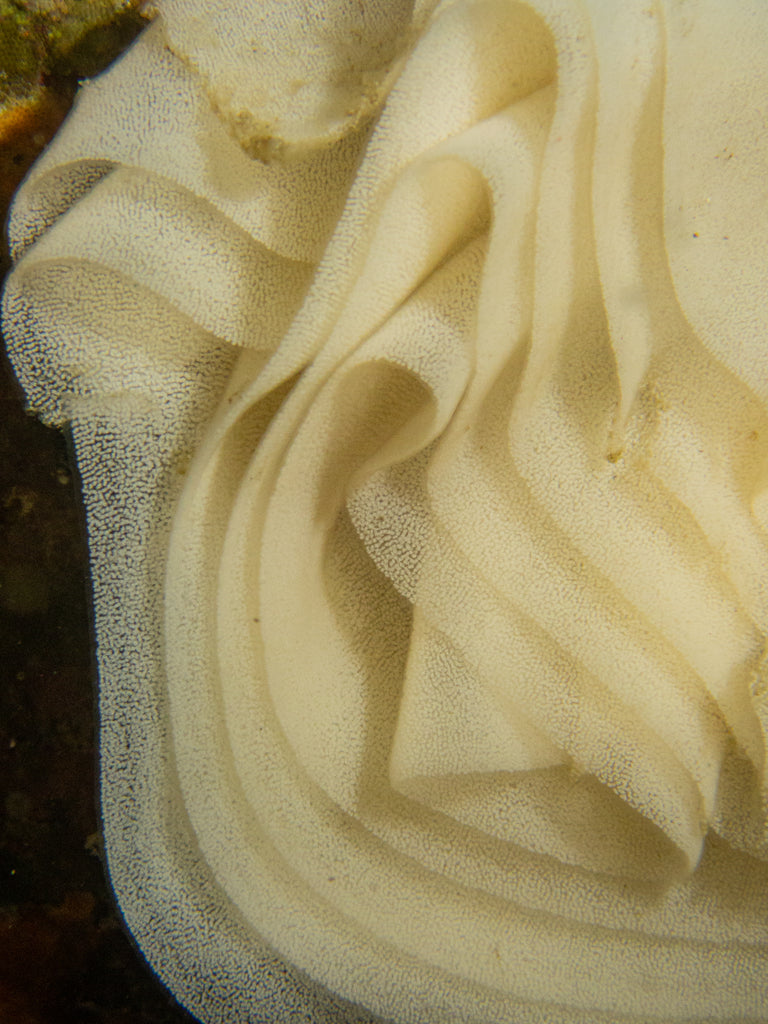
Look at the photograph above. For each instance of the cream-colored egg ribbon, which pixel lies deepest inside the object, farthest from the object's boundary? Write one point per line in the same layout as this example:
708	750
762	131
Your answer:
416	358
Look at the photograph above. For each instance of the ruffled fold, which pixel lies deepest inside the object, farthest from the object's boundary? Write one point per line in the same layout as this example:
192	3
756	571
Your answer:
422	423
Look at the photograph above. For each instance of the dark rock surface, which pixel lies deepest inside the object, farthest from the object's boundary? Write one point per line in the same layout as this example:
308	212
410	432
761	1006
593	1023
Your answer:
64	955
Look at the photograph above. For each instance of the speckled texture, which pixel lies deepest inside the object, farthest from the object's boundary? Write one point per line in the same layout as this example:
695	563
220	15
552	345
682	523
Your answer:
446	680
64	956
